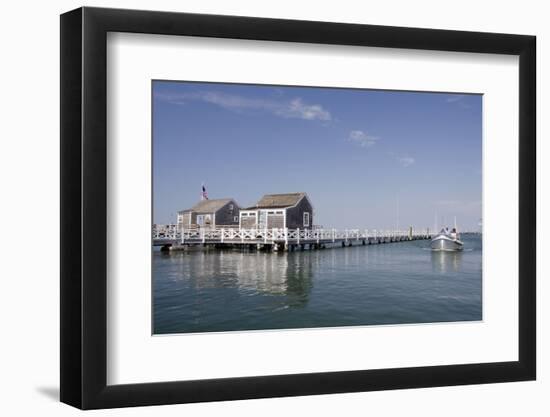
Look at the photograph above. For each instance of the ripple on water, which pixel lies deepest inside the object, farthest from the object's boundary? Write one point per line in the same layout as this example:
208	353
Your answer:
363	285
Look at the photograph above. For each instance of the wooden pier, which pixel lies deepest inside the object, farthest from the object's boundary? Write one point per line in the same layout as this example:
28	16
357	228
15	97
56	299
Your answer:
282	239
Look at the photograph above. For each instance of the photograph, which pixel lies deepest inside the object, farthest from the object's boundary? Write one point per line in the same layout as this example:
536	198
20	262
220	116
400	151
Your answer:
299	207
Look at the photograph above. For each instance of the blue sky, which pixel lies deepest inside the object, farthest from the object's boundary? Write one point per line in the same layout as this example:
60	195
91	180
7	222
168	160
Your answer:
361	155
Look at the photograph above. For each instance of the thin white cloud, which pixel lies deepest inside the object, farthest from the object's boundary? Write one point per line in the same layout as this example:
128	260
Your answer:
362	138
406	161
459	100
454	98
298	109
293	109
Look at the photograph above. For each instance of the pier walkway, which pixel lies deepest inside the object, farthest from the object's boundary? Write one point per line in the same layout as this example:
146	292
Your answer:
283	239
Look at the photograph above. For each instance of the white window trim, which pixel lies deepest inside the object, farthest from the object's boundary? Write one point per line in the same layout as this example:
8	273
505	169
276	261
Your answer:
306	215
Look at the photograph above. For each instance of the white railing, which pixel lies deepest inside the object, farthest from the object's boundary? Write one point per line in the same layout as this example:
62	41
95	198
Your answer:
161	230
297	236
290	235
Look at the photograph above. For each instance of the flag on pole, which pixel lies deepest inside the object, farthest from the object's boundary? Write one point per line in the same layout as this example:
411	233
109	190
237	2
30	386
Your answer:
204	195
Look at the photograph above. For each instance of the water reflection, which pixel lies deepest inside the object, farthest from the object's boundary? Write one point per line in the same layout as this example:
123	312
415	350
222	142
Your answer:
201	291
299	277
289	275
445	261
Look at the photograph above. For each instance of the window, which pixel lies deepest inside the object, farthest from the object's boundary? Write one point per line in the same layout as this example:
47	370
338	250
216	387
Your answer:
231	207
244	214
204	219
306	218
236	218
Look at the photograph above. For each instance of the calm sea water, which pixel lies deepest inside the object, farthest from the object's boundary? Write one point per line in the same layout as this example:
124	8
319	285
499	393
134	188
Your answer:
364	285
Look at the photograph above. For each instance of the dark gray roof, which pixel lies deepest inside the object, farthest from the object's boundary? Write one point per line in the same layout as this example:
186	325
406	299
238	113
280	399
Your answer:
278	200
209	206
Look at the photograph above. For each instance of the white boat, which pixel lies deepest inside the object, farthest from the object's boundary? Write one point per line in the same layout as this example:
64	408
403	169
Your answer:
447	241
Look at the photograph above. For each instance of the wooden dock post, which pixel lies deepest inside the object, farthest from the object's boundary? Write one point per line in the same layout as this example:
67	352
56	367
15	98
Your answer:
285	231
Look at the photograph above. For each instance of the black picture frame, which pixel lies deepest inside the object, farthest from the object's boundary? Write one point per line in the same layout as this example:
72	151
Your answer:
84	207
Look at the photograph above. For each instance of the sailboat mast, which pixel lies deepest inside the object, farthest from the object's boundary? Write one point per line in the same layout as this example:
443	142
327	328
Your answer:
397	228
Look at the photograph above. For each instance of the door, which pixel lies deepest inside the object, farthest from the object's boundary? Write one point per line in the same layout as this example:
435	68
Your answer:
262	219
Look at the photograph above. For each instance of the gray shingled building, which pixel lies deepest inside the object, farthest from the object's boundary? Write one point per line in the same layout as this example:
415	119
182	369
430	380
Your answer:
290	210
210	214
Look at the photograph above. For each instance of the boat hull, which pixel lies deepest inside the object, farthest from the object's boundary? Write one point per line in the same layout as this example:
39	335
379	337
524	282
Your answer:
445	243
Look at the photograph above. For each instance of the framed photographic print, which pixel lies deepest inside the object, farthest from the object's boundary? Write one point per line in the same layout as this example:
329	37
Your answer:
258	207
